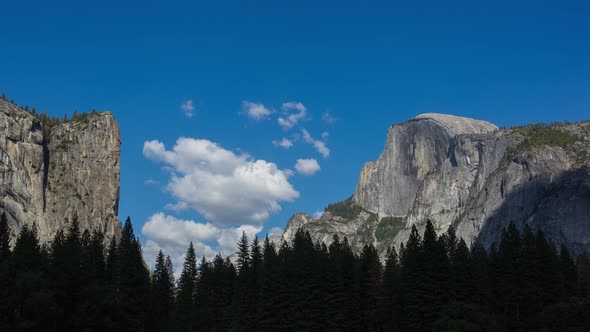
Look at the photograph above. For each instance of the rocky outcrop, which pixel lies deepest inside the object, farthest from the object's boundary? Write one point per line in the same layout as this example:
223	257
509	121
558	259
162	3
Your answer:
413	151
47	176
473	176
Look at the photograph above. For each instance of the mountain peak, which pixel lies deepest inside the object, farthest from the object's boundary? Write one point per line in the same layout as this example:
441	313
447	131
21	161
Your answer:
459	125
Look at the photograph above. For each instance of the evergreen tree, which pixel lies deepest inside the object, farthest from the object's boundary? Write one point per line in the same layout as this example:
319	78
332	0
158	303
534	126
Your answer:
110	319
162	294
203	302
4	238
186	291
31	299
508	279
435	275
5	278
412	272
94	305
133	282
269	315
220	275
370	289
244	298
65	270
243	253
392	297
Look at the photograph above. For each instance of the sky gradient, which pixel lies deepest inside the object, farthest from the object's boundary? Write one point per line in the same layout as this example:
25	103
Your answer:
231	79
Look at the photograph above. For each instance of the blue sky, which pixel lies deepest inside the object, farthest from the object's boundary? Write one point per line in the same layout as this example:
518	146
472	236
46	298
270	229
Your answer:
368	65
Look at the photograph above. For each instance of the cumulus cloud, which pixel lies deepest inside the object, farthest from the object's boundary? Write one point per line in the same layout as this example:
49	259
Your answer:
320	146
225	187
173	235
255	111
293	113
188	108
283	143
168	230
307	166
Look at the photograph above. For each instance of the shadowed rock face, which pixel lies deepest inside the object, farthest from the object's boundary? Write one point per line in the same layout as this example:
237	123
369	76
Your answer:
45	179
472	175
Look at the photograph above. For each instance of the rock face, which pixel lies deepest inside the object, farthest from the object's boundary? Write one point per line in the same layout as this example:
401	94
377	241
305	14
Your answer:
47	176
472	175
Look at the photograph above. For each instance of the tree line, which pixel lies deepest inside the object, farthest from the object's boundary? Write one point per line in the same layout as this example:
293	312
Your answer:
432	283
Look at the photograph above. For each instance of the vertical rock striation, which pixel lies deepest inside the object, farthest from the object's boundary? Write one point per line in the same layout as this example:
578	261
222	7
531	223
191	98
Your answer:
473	176
46	178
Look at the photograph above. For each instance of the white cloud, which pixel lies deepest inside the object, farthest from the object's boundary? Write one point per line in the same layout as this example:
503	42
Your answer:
255	111
151	181
188	108
224	187
166	229
294	112
320	146
283	143
177	207
307	166
318	214
328	118
325	134
173	235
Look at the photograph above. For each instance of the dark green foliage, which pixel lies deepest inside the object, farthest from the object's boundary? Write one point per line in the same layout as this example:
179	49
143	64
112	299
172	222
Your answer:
162	294
391	299
436	283
538	135
388	228
4	238
30	300
370	289
185	298
346	209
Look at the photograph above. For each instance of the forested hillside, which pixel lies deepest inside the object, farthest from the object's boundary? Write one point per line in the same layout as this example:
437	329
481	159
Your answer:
433	283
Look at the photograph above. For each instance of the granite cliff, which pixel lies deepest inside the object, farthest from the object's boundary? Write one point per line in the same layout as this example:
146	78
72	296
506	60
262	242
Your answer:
48	174
468	174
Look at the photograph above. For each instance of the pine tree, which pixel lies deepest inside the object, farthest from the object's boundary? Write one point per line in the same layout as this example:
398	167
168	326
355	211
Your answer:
215	293
256	281
5	278
33	304
370	289
186	291
244	300
94	286
70	284
269	316
203	302
413	274
4	238
133	281
435	275
392	297
243	253
162	294
461	279
508	279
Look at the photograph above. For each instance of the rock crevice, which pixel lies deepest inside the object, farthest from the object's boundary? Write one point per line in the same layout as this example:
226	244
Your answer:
48	176
473	176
